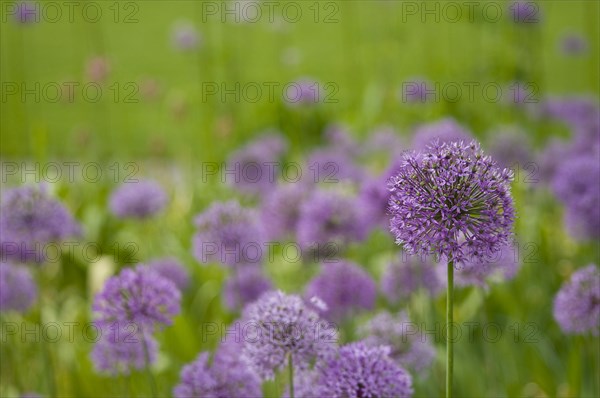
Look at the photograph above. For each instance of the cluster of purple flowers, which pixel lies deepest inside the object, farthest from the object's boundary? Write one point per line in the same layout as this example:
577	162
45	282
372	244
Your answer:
577	304
141	199
18	291
445	131
408	274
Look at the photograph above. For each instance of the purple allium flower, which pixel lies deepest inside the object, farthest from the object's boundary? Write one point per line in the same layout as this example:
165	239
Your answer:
185	37
503	265
577	303
27	12
416	90
326	165
123	347
445	130
345	288
304	91
524	12
451	201
407	275
229	234
339	139
18	291
329	218
550	158
138	296
363	371
510	146
574	111
384	139
29	220
141	199
574	44
226	377
408	348
280	210
170	268
255	167
283	325
244	286
373	198
576	185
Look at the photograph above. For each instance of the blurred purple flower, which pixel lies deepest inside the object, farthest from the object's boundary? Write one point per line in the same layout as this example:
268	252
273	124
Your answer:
27	12
123	347
330	218
185	37
328	166
18	290
283	325
97	69
345	288
409	349
244	286
384	139
452	201
510	147
577	303
256	165
142	199
573	44
304	91
524	12
29	220
416	90
445	130
229	234
139	296
360	370
170	268
280	210
407	275
339	139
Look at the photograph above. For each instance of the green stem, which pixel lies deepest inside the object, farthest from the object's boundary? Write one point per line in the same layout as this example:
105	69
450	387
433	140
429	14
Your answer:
449	337
291	370
148	371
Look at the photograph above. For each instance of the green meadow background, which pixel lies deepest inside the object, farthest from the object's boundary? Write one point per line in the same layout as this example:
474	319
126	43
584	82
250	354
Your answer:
364	50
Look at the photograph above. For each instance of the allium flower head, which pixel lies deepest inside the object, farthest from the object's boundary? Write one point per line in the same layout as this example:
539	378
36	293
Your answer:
139	296
255	166
18	291
409	349
416	90
304	91
576	185
170	268
229	234
524	12
185	37
122	348
327	165
573	110
141	199
577	304
408	274
244	286
510	146
345	288
339	139
30	219
280	210
360	370
330	217
283	325
573	44
445	131
27	12
451	201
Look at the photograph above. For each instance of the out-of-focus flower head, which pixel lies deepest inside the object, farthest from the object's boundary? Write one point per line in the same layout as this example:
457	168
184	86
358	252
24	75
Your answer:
18	291
407	275
185	36
244	286
445	131
141	199
172	269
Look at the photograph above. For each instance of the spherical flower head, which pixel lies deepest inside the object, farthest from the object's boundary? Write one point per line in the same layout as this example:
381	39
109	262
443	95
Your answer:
280	210
577	304
384	139
18	291
329	166
139	296
574	44
329	218
444	131
304	91
576	185
549	159
415	91
142	199
451	201
254	168
408	274
574	111
229	234
283	325
338	138
511	147
26	12
408	348
30	219
502	265
524	12
345	288
228	376
170	268
122	348
360	370
185	37
245	286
